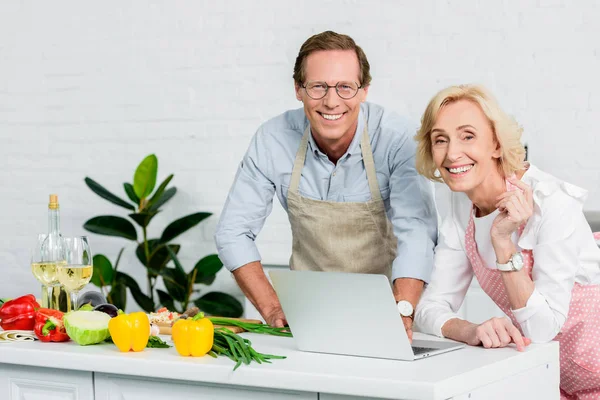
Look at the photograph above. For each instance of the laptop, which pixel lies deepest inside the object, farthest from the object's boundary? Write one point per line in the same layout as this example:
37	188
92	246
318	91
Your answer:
348	313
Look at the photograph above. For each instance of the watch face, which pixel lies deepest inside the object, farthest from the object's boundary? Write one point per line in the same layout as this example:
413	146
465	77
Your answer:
405	308
517	261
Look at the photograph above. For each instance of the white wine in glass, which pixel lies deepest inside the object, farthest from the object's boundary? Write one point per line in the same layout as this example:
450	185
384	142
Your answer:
46	272
77	272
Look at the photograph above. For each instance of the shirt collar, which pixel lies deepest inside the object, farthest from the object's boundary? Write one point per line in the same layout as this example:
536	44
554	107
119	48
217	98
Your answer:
354	147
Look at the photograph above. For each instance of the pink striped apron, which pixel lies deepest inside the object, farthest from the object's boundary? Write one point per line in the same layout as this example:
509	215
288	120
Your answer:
580	335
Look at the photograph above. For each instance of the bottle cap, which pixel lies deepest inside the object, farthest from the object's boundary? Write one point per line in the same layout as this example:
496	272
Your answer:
53	204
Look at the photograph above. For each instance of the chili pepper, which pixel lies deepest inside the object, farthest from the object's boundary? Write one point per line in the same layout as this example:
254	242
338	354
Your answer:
49	326
130	331
193	337
19	313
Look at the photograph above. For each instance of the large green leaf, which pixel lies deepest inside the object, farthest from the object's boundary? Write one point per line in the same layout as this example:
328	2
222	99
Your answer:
220	304
118	295
143	301
103	271
144	178
159	192
181	225
131	193
111	226
143	218
206	269
105	194
159	256
166	196
173	256
166	300
176	283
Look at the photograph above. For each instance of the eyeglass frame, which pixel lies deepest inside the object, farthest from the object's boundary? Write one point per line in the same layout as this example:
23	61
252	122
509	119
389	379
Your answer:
329	87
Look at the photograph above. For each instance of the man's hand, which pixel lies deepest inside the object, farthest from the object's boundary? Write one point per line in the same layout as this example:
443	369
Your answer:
408	289
255	285
275	318
408	323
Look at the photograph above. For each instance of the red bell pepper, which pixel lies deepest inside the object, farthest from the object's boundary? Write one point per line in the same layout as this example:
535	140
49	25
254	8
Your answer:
49	326
19	313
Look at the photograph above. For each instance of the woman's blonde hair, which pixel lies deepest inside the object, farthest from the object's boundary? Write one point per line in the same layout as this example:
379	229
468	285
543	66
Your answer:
506	130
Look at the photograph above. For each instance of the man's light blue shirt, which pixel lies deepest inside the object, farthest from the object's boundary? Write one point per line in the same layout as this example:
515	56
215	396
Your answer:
267	168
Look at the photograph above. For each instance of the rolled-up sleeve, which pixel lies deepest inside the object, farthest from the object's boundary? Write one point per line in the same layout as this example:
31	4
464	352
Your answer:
451	277
556	263
412	213
248	204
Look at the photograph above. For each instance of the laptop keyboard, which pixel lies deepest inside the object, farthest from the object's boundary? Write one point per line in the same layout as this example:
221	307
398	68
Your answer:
421	350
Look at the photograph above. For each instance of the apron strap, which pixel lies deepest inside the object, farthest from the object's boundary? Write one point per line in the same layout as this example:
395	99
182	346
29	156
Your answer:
368	161
299	162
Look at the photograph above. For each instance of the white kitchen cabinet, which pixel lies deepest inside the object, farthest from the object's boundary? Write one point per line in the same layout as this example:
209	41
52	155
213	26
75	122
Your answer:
103	372
35	383
116	387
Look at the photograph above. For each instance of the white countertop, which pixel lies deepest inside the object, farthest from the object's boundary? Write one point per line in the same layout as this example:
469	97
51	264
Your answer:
441	376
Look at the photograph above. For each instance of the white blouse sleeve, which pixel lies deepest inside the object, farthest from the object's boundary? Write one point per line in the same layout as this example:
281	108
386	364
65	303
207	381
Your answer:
552	234
452	273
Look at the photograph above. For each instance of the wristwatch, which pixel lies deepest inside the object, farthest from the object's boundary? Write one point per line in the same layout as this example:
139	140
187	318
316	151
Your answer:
515	263
405	308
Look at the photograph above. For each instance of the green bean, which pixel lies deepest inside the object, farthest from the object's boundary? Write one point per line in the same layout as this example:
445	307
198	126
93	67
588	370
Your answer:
237	364
243	346
234	351
238	349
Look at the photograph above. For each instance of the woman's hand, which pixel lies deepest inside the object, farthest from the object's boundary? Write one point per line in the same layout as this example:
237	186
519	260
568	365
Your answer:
496	332
515	209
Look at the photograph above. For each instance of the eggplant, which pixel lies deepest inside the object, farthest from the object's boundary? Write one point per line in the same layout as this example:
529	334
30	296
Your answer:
107	308
92	298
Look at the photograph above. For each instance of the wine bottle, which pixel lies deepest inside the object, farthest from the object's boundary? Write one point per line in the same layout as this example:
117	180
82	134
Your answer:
53	254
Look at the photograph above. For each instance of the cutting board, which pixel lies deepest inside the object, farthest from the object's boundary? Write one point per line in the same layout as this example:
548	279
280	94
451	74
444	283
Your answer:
165	328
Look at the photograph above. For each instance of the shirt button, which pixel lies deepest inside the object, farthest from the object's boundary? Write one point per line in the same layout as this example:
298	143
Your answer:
334	173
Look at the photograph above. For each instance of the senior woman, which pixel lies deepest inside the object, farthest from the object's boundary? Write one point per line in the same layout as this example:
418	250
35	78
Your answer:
519	230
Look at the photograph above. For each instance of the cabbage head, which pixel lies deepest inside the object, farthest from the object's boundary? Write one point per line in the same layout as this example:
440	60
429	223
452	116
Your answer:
87	327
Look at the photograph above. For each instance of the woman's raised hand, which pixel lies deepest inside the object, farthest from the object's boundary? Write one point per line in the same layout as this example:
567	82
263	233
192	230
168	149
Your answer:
515	208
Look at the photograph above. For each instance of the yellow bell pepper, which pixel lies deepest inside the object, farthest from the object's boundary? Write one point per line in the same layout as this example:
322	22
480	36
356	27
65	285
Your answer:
130	331
193	337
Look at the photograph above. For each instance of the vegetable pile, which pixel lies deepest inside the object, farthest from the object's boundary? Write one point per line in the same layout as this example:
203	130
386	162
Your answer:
97	321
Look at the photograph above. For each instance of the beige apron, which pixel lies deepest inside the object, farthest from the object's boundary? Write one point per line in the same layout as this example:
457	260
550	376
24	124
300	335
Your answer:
340	236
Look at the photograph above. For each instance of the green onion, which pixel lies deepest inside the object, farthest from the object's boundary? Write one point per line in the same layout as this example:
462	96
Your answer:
252	327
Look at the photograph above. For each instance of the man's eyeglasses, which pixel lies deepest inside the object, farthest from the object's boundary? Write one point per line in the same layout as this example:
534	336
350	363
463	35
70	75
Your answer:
318	90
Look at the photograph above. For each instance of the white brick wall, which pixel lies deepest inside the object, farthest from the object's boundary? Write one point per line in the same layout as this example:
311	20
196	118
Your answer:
89	89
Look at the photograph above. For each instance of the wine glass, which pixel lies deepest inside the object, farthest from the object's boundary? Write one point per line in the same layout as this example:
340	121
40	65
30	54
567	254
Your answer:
45	271
77	272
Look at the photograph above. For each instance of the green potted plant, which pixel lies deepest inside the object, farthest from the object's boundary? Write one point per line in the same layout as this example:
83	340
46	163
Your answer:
155	254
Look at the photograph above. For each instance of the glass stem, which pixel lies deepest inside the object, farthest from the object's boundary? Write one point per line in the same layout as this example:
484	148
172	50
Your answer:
56	297
49	297
73	299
